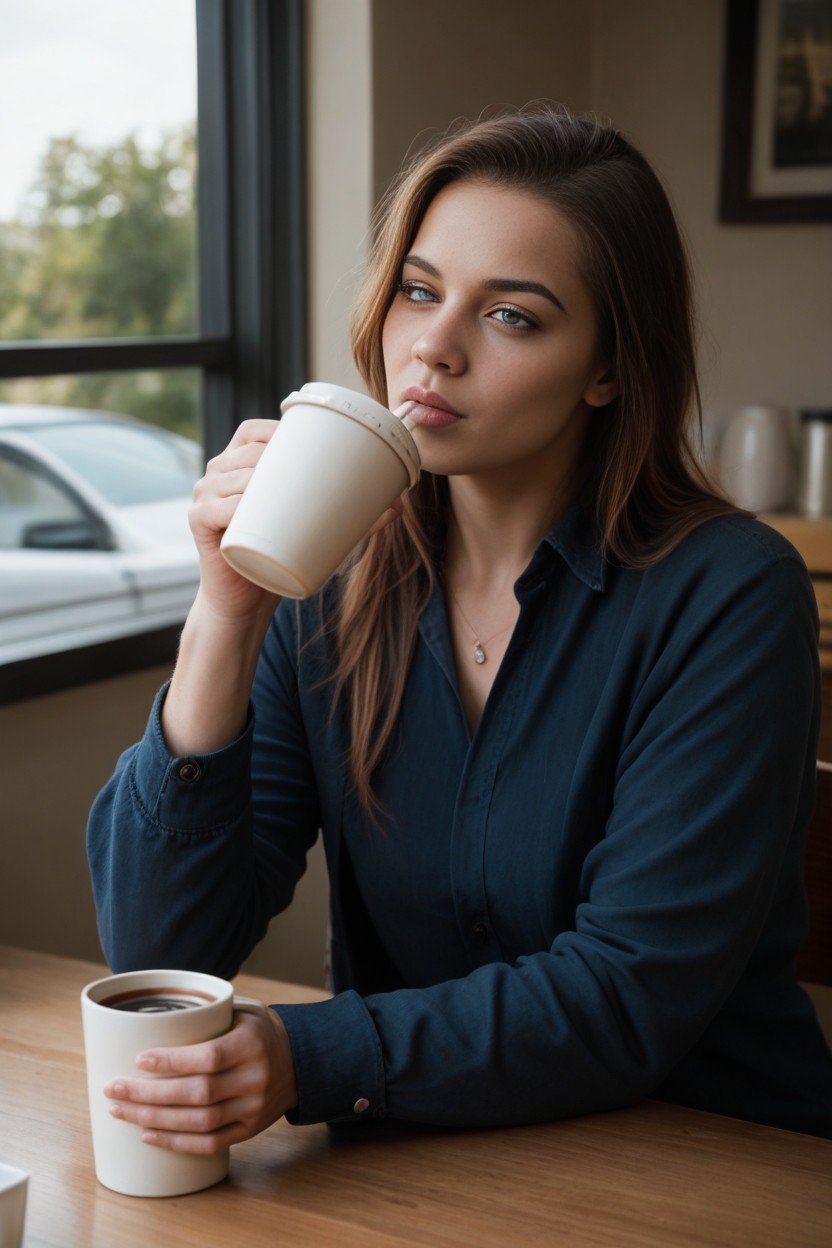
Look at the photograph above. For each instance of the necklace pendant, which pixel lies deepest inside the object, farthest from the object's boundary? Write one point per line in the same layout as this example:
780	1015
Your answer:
479	653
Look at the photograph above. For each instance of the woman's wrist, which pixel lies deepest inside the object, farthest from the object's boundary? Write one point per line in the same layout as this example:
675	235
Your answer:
207	703
288	1091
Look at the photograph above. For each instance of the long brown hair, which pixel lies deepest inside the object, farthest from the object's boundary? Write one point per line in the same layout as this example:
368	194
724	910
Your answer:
639	471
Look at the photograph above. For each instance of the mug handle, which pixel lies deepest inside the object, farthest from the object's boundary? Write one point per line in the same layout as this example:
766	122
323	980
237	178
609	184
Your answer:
248	1005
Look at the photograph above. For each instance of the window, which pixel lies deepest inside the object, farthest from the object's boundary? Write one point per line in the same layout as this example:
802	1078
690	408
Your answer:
126	464
152	208
97	199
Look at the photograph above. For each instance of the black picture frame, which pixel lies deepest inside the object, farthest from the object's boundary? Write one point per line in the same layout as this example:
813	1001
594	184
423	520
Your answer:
740	199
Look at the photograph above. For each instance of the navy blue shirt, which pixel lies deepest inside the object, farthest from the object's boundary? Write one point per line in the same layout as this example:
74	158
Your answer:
596	899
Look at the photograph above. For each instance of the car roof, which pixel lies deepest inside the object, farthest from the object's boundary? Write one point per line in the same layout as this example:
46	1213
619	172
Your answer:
19	415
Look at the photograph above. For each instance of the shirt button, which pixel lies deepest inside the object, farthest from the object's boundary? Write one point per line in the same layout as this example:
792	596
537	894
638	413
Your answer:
480	931
188	772
360	1105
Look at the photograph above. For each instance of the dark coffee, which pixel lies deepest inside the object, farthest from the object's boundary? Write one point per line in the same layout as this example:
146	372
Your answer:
158	1000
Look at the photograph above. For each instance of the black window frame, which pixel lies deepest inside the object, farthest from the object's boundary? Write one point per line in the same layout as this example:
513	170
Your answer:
251	348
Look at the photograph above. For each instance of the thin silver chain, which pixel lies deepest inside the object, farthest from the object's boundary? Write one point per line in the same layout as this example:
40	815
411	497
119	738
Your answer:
479	646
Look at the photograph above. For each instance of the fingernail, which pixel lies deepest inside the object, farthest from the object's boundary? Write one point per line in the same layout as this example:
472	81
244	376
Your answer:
147	1063
149	1137
118	1089
116	1111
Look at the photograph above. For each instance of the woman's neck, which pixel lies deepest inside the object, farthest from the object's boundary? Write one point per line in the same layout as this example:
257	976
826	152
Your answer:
495	526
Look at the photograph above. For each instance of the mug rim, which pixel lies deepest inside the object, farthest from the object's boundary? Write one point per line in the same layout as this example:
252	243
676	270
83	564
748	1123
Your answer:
223	989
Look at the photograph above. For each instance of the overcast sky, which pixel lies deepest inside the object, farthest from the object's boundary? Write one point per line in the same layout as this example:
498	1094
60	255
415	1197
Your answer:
95	68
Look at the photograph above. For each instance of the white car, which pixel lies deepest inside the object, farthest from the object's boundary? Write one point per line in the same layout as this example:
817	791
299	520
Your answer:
94	537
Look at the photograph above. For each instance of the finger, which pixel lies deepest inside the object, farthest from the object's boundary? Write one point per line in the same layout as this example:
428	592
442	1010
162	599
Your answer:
245	456
225	484
253	431
195	1142
208	1058
193	1090
212	515
202	1119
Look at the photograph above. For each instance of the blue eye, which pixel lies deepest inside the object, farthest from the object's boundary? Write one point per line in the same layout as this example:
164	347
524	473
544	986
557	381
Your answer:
512	312
407	288
410	288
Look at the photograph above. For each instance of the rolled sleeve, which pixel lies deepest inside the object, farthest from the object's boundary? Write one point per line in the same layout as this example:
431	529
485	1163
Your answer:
192	793
191	856
339	1069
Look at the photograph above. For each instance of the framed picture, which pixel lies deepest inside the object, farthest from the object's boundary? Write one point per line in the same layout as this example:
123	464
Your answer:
777	111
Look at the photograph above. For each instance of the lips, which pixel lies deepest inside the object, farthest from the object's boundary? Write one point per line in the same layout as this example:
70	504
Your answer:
431	417
429	398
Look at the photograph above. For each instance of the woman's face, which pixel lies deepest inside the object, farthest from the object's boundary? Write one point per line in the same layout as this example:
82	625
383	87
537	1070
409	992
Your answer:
517	365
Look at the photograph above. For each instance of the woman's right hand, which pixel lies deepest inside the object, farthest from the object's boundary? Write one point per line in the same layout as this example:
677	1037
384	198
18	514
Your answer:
225	592
216	496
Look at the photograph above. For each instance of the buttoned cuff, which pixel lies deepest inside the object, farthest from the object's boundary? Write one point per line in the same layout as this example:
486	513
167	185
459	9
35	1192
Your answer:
193	793
339	1069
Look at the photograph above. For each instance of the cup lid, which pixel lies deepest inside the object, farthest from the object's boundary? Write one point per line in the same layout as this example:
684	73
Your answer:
366	411
817	413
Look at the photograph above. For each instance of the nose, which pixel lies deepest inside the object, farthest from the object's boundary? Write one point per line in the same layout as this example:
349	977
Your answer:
439	346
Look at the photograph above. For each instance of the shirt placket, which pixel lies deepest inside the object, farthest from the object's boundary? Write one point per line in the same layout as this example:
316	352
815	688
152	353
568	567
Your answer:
485	752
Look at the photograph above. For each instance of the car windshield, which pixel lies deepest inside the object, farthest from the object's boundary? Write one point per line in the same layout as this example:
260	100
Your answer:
127	465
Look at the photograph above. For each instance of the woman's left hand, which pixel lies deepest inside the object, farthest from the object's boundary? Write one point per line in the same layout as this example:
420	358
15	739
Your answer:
213	1094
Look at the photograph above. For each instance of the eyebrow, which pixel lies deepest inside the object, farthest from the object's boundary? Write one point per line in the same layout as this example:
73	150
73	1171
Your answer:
494	283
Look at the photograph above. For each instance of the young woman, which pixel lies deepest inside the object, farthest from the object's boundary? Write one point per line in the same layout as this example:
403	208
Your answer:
557	718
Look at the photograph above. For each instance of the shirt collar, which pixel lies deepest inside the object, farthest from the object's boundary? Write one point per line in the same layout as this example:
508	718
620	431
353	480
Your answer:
573	536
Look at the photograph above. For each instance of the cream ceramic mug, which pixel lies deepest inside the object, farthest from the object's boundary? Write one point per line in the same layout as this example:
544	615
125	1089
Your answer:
335	462
123	1015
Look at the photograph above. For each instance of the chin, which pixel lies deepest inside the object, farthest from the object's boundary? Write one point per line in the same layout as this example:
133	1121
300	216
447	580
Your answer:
445	465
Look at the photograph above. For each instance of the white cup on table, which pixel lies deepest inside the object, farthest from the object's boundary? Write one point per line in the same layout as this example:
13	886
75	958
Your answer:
123	1015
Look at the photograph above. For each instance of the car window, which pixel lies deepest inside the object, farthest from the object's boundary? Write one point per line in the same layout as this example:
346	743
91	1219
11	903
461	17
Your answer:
28	498
127	465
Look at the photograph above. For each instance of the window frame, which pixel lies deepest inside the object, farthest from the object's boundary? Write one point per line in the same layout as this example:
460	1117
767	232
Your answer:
251	256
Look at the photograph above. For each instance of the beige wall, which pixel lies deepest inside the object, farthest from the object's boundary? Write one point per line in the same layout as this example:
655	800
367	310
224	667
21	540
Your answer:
57	753
340	161
437	60
383	74
764	290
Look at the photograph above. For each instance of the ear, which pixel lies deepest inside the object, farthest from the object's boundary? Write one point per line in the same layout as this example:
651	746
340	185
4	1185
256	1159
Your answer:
602	389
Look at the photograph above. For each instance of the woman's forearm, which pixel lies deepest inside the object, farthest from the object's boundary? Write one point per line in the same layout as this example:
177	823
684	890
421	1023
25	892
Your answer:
206	704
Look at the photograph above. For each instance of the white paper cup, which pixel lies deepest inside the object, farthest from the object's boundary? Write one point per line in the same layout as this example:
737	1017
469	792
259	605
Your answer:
13	1187
335	462
112	1041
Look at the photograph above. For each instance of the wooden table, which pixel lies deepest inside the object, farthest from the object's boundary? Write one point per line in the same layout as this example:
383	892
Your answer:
655	1174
